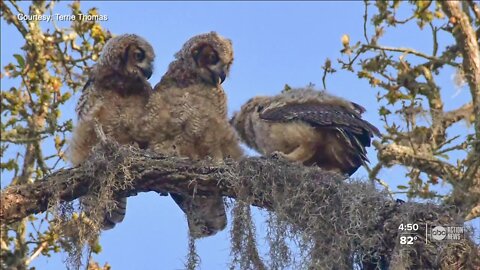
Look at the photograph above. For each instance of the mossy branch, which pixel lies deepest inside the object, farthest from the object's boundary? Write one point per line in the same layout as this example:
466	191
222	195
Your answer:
347	220
147	171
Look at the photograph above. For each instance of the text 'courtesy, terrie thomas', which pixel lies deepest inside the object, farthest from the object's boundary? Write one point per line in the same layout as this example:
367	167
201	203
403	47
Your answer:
62	17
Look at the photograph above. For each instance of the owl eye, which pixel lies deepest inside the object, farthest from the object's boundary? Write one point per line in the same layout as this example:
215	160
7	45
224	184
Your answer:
139	55
212	58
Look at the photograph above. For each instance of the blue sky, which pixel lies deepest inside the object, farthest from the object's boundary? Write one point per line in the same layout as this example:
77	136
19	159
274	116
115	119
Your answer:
275	43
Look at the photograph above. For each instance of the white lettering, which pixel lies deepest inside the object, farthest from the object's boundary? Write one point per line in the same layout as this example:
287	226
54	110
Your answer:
89	17
61	17
34	17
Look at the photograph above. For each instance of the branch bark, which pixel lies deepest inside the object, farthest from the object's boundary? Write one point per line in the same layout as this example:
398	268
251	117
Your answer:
414	52
12	18
397	154
151	174
147	172
475	8
467	39
452	117
317	203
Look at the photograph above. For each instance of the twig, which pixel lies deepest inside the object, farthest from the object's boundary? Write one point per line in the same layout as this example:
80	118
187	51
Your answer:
36	253
365	18
435	39
327	68
397	154
10	17
474	213
23	140
461	146
411	51
475	8
414	15
464	112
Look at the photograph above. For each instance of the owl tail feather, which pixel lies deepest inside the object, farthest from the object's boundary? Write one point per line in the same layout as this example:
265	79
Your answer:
108	219
116	215
205	215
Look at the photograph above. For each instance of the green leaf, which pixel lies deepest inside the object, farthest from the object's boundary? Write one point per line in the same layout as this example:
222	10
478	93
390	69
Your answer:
20	60
384	111
402	187
10	165
96	247
65	97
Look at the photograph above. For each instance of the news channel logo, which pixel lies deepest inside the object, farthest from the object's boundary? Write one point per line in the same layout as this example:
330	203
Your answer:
446	233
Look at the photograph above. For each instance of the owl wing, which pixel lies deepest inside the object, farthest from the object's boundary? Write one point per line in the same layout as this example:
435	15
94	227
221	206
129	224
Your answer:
322	116
191	115
89	103
356	131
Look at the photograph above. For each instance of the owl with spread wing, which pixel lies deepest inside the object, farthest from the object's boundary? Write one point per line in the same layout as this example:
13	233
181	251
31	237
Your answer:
308	126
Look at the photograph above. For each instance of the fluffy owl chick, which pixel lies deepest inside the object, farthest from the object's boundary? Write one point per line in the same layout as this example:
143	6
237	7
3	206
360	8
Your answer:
187	116
308	126
114	97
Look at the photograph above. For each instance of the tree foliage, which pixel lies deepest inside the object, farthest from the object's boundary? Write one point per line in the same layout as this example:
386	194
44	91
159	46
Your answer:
49	67
411	102
54	60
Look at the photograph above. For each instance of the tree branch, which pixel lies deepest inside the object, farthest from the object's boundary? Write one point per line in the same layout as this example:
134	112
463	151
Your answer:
475	8
68	184
147	172
468	43
451	117
37	252
411	51
397	154
12	18
317	204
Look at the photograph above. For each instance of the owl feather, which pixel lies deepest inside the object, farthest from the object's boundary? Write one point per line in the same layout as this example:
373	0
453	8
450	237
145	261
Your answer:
114	96
309	126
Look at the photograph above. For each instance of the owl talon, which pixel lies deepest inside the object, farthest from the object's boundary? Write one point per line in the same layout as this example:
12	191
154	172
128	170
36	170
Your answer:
279	155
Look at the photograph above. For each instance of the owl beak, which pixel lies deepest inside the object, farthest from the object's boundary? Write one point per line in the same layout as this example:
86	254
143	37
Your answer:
147	72
222	76
218	77
232	120
216	73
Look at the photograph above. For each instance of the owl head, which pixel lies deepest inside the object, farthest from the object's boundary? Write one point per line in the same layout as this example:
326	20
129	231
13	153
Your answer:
243	120
128	55
209	56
